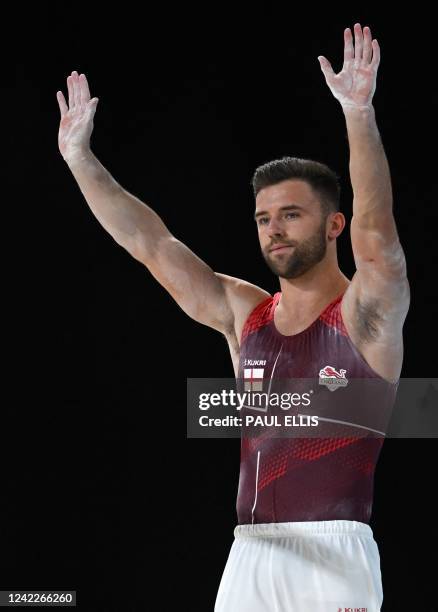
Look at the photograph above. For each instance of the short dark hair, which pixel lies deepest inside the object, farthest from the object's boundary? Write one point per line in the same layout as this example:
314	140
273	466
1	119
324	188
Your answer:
324	181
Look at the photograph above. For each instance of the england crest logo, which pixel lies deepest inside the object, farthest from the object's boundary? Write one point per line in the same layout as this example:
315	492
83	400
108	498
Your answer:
332	378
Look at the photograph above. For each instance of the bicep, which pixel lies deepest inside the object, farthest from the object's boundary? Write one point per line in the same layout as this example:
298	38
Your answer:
191	282
380	288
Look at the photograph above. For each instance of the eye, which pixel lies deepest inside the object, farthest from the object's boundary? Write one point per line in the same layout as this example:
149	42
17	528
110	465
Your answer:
262	220
292	213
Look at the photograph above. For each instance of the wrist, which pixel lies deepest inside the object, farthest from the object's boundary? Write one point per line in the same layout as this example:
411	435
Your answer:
356	108
78	156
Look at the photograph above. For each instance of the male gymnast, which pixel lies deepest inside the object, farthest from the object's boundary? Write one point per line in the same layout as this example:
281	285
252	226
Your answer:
303	541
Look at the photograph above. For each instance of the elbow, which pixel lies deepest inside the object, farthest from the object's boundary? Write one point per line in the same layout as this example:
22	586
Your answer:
146	248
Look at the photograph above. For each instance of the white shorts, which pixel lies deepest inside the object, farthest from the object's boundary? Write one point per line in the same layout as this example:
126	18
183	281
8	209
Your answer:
315	566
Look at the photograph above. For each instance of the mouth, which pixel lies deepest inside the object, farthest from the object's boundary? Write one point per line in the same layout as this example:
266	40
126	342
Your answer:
280	248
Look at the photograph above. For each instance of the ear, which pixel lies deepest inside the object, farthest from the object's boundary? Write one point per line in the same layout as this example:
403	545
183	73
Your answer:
335	225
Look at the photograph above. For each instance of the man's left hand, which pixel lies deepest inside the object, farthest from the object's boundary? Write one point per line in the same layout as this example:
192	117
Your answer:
355	85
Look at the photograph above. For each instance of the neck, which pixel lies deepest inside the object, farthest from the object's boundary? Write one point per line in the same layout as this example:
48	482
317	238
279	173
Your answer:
307	294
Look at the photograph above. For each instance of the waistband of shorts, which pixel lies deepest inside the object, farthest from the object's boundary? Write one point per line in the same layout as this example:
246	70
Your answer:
305	528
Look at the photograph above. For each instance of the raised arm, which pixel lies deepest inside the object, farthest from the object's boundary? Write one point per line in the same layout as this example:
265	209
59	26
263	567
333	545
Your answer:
381	267
216	300
376	302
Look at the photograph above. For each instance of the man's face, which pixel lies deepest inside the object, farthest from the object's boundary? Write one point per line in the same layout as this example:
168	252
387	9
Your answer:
292	230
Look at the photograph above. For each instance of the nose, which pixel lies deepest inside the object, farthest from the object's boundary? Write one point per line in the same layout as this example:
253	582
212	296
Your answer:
275	227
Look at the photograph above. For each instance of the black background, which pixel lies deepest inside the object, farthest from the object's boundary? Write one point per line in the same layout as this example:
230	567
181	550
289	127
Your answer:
102	492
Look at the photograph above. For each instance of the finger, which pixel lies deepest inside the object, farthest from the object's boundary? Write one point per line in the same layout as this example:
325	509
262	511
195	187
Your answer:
62	103
76	90
348	47
367	49
85	91
71	98
92	106
358	43
376	54
326	67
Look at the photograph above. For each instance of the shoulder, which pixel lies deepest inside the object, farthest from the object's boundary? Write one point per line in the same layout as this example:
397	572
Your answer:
374	308
374	321
243	297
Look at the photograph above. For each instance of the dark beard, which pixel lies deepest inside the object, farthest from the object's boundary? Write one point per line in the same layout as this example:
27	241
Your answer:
304	256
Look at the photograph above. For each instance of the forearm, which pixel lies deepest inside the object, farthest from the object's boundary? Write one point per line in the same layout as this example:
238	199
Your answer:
369	169
132	224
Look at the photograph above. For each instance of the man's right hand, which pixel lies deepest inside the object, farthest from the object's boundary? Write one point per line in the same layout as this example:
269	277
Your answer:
76	123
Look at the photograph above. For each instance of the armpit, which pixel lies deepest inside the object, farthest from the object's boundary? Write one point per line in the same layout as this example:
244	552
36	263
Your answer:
368	320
